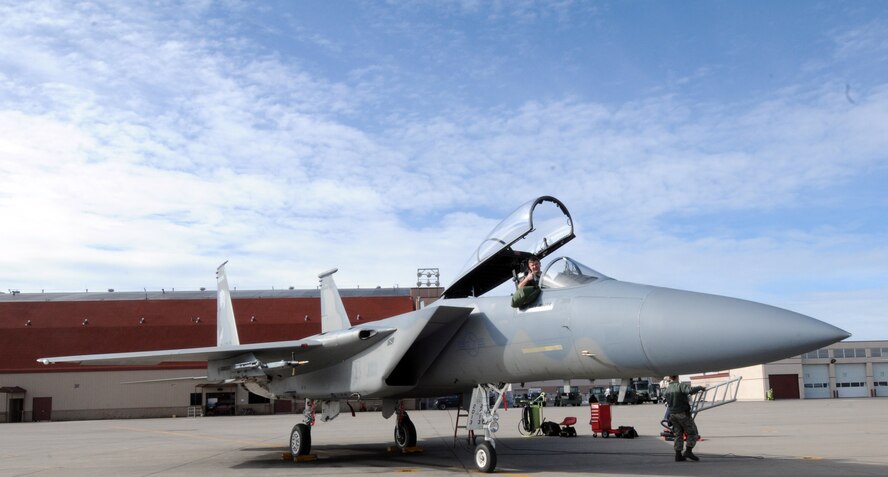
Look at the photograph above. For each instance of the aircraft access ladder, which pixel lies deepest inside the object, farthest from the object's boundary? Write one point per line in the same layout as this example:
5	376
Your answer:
462	414
715	396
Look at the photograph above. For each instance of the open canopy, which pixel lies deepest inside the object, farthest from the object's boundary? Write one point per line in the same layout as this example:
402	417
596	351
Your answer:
538	227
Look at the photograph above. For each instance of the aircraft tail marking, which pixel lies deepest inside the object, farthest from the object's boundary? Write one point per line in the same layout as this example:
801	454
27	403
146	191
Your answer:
333	315
226	328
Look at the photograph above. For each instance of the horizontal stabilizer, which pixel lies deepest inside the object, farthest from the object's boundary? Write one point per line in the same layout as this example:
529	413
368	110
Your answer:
164	380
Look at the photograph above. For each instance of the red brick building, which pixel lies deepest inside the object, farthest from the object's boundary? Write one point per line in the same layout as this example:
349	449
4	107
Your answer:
58	324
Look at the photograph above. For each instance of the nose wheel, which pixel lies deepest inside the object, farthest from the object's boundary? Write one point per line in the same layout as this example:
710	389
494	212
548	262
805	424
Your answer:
485	457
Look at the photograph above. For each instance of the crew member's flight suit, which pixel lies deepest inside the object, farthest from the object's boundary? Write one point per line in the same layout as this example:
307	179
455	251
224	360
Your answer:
680	418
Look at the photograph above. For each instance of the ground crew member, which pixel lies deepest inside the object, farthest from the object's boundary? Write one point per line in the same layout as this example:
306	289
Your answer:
679	408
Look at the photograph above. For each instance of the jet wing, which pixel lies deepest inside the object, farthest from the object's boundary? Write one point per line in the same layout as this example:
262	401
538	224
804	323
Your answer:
178	355
538	227
312	353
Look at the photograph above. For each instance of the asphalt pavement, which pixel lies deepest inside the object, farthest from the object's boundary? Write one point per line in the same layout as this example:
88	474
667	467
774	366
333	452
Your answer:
835	437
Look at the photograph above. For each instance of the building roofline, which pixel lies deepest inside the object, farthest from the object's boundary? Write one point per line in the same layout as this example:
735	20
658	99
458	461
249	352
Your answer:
195	295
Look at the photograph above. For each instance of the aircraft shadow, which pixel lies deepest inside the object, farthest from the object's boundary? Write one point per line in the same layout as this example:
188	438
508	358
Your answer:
541	455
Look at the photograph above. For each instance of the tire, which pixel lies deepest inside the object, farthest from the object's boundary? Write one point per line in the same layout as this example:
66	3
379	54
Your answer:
485	457
300	439
522	429
605	434
442	406
405	433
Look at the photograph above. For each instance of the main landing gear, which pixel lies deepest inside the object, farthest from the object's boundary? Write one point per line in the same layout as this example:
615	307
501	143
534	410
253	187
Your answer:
300	436
405	431
300	440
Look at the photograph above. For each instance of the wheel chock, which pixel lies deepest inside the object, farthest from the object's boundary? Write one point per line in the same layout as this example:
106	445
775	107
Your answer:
406	450
299	458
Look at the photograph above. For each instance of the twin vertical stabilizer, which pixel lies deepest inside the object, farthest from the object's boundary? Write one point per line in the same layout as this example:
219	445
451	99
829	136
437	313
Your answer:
226	328
333	315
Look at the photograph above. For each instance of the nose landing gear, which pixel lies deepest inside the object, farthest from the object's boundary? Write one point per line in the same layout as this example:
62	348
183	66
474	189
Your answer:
483	416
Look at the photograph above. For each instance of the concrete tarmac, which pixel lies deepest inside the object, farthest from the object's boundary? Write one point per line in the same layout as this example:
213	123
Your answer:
835	437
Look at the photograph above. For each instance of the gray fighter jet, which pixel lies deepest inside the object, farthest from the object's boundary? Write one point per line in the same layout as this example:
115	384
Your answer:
582	324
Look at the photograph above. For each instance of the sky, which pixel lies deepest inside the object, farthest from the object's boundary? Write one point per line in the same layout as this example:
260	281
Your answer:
729	147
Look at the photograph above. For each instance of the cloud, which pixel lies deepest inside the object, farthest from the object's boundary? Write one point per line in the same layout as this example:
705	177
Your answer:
140	148
864	41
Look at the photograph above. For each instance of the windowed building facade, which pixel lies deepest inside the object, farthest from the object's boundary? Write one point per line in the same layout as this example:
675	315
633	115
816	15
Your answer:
849	369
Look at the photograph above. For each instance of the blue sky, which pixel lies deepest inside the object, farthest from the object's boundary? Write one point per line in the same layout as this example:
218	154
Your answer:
736	148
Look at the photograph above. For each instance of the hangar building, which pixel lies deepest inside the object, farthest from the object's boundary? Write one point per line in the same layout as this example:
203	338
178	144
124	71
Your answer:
35	325
848	369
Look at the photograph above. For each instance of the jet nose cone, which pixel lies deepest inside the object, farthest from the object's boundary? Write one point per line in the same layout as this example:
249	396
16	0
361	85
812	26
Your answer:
687	332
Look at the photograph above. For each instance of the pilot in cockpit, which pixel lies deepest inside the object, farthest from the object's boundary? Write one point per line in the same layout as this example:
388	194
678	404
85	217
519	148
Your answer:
529	286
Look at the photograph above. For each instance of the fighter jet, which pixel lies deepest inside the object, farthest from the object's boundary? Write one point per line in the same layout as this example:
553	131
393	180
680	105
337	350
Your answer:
582	325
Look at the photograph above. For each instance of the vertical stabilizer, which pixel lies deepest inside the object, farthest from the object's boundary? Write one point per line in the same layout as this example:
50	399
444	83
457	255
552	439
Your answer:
226	328
333	315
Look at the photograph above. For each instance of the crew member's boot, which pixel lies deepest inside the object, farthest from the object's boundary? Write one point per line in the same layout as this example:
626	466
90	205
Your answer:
679	457
690	455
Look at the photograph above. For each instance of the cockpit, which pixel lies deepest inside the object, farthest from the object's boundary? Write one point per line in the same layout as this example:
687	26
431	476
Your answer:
565	272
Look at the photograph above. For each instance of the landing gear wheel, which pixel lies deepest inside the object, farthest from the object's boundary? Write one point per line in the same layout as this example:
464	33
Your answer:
300	440
485	457
405	433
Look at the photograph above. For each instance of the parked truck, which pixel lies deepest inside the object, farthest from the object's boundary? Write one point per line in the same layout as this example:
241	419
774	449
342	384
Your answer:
570	398
645	390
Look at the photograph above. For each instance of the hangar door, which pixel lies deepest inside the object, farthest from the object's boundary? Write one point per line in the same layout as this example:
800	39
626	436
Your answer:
816	381
785	386
880	379
851	380
41	409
